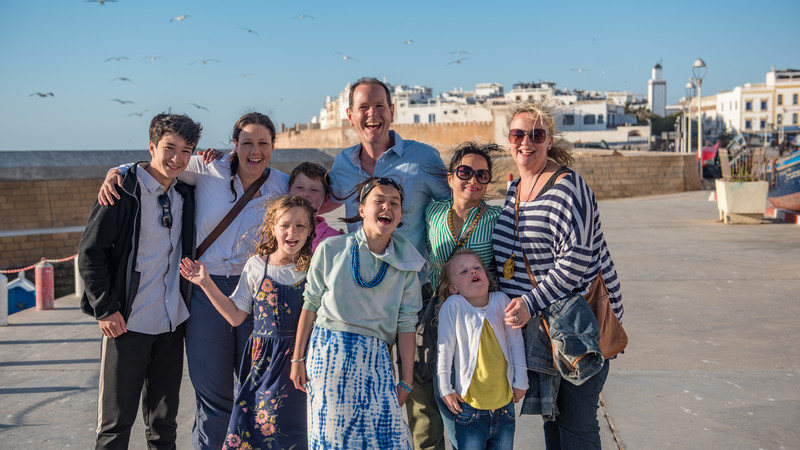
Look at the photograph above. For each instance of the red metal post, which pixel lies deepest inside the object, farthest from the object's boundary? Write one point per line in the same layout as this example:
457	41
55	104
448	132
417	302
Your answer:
44	285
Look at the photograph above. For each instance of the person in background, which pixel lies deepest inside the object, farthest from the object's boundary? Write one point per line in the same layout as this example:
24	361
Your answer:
213	347
128	258
550	218
309	180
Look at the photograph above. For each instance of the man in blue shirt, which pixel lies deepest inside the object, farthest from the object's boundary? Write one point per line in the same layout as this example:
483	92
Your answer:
420	171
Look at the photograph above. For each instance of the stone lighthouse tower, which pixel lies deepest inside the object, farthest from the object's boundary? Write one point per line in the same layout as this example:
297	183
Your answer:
657	92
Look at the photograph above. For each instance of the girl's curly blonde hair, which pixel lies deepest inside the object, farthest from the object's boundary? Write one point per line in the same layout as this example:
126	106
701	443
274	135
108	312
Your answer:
268	244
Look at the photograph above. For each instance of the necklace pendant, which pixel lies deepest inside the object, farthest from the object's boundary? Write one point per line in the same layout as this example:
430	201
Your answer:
508	267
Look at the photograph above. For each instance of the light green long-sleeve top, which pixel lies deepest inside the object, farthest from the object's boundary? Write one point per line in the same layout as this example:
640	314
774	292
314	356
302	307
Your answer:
342	305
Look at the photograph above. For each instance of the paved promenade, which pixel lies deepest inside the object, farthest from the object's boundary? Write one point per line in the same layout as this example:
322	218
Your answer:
712	312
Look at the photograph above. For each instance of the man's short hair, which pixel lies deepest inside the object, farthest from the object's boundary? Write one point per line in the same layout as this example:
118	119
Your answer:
178	124
372	81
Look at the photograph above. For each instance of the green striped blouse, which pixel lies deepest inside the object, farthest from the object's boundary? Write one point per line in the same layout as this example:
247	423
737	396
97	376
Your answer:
441	243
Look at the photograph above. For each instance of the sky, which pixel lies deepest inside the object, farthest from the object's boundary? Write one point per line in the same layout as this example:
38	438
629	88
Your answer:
287	65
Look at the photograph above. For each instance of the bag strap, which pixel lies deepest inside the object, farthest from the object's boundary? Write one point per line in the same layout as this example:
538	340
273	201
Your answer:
228	219
550	183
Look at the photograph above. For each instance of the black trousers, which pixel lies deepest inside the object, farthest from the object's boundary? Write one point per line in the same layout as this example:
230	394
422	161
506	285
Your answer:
138	365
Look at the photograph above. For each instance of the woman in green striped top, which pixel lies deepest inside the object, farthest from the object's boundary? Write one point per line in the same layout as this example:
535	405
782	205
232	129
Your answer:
466	220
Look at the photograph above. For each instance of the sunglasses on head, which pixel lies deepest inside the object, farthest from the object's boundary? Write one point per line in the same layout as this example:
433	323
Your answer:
166	213
537	136
466	172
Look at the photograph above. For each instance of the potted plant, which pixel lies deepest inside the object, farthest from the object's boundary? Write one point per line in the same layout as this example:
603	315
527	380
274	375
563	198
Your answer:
741	193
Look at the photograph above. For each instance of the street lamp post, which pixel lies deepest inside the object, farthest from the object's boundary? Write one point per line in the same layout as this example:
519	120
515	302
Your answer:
690	95
699	71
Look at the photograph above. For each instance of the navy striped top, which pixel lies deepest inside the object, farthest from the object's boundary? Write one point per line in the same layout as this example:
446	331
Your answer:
562	237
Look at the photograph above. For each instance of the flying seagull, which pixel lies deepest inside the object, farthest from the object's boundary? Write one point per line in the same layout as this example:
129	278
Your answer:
249	30
179	18
345	57
101	2
122	79
303	16
408	41
199	106
245	75
42	94
459	52
153	58
139	114
116	58
579	70
458	61
121	102
203	61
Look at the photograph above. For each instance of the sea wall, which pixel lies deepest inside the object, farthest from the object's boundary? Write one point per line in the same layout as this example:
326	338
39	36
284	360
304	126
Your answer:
47	196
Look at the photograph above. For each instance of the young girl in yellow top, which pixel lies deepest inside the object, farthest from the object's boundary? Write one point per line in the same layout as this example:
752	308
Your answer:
488	356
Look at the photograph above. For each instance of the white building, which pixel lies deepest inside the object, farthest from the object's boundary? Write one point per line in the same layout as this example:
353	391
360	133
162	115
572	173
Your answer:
657	93
755	107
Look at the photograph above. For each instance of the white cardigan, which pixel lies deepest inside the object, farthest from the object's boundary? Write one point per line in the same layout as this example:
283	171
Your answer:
460	327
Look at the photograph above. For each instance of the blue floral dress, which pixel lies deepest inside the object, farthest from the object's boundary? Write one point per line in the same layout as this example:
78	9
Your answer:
268	412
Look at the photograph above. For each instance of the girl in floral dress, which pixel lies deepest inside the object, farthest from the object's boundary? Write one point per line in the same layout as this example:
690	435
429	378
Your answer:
268	412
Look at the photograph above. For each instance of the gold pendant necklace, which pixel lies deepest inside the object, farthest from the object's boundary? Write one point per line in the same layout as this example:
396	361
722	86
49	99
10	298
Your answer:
508	265
465	237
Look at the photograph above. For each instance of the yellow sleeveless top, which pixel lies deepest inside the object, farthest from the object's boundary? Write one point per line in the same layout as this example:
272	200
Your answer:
489	387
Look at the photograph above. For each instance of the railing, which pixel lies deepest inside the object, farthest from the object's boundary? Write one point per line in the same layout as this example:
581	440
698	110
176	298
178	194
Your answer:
741	162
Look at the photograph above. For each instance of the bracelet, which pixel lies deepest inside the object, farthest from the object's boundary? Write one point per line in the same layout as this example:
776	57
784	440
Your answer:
405	386
298	360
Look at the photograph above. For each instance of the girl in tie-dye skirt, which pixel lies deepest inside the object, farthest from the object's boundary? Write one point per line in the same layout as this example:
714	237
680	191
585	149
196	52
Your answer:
362	293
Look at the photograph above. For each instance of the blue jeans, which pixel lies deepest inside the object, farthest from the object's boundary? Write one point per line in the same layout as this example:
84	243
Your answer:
448	418
214	352
576	426
485	429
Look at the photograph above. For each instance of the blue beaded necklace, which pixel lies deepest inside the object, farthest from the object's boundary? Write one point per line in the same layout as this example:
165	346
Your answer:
355	267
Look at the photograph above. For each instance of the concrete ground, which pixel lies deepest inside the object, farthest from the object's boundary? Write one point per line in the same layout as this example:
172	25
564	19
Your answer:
711	311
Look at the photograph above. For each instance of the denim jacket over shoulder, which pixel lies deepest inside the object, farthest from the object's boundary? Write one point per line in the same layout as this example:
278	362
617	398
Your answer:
573	331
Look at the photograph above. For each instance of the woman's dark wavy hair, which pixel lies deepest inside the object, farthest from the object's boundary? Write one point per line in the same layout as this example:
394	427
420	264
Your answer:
247	119
268	244
486	151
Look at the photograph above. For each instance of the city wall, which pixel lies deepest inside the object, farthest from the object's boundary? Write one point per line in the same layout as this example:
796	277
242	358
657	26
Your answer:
47	196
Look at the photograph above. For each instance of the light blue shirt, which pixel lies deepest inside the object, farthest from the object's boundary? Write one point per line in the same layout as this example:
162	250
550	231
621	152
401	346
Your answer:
158	306
419	170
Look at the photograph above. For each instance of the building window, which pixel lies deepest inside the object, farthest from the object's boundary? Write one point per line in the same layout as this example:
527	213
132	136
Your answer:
569	119
794	119
588	119
416	118
780	99
780	119
748	106
455	111
431	118
748	124
599	118
794	99
762	124
763	105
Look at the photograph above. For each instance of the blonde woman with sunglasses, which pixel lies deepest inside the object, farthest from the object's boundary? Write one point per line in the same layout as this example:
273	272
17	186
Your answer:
550	223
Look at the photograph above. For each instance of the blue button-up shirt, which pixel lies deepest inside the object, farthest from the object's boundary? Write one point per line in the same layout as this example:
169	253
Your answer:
419	170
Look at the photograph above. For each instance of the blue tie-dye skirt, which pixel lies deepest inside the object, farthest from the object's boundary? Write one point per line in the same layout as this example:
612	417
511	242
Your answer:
352	398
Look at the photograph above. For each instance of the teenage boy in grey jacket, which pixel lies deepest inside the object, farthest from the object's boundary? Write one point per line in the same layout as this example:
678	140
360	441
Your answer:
129	259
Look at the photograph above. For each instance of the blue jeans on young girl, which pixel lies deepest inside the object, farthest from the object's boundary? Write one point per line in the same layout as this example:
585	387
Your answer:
485	429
